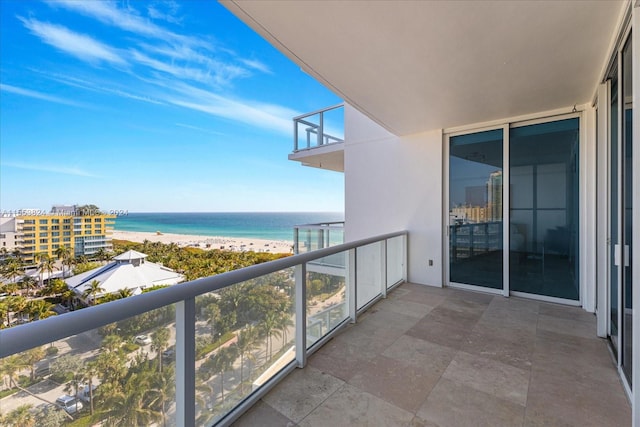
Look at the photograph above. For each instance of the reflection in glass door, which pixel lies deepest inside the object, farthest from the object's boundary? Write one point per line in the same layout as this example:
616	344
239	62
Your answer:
475	209
544	209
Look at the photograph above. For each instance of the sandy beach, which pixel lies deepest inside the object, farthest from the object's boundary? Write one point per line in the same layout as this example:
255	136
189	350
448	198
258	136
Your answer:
238	244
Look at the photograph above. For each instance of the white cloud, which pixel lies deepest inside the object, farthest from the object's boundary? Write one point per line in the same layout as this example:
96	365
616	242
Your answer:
256	65
38	95
108	13
154	11
48	168
79	45
199	129
98	87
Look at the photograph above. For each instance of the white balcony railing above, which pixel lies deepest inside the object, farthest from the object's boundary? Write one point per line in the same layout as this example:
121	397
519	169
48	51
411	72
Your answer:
311	237
319	128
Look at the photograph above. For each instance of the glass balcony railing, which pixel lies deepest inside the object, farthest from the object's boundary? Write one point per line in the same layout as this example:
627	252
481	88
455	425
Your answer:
199	353
311	237
319	128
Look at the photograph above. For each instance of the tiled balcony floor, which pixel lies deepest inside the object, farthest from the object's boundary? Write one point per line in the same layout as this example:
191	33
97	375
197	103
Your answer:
444	357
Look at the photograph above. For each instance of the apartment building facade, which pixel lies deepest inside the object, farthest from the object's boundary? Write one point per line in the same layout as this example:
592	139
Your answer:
533	100
44	233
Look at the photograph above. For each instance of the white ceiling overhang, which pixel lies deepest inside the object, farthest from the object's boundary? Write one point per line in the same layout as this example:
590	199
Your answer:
413	66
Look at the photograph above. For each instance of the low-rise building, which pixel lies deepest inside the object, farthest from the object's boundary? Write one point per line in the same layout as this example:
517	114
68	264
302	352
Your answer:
129	270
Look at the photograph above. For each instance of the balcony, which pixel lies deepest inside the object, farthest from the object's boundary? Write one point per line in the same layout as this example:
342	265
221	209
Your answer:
319	139
443	357
311	237
227	339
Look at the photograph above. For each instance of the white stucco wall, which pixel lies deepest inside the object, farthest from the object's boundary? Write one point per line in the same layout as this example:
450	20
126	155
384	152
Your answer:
393	184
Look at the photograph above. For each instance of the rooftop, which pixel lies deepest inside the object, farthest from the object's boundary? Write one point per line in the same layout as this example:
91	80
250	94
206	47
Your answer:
126	271
443	357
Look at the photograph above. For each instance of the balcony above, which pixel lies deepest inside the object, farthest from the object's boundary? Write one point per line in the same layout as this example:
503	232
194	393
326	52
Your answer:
318	139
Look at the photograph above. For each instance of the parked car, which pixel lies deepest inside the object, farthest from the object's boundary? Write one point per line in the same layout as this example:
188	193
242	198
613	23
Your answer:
142	340
169	354
83	392
43	370
69	403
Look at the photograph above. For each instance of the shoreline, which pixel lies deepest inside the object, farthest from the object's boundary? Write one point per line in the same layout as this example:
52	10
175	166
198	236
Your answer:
236	244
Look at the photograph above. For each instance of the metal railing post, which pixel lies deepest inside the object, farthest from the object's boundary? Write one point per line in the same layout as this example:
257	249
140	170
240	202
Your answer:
301	314
295	135
405	256
384	280
321	130
352	280
185	363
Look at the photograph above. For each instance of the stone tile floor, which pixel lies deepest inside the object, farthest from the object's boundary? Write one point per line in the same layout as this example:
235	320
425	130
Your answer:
444	357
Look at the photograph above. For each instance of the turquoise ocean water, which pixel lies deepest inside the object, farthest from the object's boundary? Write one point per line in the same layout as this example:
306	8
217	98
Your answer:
259	225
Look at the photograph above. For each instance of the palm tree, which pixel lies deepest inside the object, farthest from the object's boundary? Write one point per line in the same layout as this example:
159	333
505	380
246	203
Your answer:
40	309
90	370
21	417
221	362
63	253
41	258
127	406
162	387
28	283
159	340
101	255
55	287
124	293
284	322
247	341
111	342
69	262
10	367
12	269
31	357
92	291
269	328
18	305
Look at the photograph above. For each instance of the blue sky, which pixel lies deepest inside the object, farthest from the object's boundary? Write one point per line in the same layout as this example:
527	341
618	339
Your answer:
151	106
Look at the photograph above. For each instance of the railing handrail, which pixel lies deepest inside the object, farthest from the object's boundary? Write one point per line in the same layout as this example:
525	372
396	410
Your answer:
23	337
320	225
321	110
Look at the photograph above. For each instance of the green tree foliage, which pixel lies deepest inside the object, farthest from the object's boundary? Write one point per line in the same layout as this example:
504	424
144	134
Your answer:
92	291
50	416
21	417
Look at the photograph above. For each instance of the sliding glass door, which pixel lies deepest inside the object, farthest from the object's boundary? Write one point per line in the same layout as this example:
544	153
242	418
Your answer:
627	211
543	216
475	209
542	212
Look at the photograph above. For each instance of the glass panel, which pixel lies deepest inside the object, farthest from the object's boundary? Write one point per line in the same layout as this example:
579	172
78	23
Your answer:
245	334
333	123
475	209
627	206
369	273
307	131
123	372
395	260
326	296
614	213
543	228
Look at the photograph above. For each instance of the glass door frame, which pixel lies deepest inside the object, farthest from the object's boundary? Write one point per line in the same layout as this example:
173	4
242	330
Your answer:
505	205
506	126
